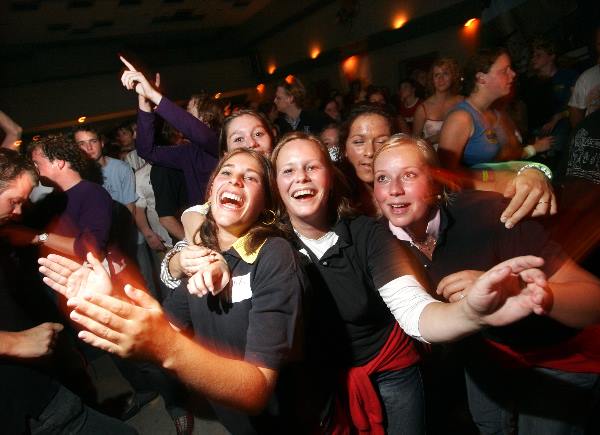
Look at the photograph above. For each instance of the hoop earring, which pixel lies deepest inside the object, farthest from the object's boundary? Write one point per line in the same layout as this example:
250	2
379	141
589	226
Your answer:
270	221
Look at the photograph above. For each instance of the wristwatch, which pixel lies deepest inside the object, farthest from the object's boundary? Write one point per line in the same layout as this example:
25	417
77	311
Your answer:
41	238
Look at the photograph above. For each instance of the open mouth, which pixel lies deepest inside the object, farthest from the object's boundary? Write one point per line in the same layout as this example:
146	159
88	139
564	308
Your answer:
304	194
231	200
399	208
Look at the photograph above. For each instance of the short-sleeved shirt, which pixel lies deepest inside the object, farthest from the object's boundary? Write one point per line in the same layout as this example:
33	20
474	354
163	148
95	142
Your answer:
586	94
119	181
87	216
346	302
257	319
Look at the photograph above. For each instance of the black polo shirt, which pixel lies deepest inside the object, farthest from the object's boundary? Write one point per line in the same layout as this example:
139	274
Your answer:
257	319
309	122
349	317
473	238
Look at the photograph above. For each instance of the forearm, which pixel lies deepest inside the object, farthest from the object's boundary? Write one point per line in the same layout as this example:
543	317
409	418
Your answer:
175	268
11	129
575	116
575	304
173	226
233	383
8	344
62	244
141	221
442	322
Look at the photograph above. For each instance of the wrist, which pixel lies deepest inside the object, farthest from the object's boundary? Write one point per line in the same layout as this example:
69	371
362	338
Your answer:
529	151
545	170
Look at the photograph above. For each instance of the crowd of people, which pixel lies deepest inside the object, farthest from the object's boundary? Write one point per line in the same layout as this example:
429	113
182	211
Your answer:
363	264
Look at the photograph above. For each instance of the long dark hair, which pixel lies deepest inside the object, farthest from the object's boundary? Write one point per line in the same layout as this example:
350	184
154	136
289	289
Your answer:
269	223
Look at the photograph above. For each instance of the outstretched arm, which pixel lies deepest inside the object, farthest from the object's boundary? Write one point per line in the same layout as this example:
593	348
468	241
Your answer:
494	299
35	342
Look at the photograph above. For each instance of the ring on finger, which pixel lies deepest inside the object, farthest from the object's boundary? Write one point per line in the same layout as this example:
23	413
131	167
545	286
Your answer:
461	296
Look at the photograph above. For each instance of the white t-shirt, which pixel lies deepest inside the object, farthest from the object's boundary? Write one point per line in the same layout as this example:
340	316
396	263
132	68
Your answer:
586	94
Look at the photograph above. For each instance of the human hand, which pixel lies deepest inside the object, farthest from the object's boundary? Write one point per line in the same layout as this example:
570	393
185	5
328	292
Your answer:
194	258
135	327
154	241
35	342
132	79
532	195
509	292
212	278
454	286
18	235
69	278
542	144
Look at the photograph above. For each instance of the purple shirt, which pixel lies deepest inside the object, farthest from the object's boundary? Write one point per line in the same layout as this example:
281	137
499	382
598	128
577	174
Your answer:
196	159
87	217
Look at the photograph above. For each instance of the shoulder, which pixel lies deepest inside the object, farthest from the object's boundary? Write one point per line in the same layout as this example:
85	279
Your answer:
117	165
589	75
276	249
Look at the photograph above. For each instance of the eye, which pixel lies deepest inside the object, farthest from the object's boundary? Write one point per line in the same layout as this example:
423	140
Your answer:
410	176
382	179
259	133
286	171
251	178
225	172
238	139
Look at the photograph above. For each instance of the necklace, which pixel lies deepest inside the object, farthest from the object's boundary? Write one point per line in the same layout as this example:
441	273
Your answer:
426	246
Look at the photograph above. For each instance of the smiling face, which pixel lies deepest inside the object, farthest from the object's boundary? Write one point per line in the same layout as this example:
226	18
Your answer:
404	188
304	181
238	194
247	131
367	133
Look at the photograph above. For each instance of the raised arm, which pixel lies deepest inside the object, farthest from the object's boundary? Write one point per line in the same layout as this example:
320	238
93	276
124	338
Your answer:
11	129
192	128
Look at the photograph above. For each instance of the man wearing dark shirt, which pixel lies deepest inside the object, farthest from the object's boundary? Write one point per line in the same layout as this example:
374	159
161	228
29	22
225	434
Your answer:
31	400
289	99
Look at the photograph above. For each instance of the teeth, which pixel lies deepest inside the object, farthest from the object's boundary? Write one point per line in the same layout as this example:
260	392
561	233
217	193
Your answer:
231	196
399	205
302	193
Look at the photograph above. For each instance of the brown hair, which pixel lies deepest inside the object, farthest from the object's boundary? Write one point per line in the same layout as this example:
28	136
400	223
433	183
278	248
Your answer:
259	116
12	165
452	65
357	112
340	200
263	227
209	111
296	89
480	62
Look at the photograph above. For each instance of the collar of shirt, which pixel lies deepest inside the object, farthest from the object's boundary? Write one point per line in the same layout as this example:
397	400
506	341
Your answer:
240	247
433	229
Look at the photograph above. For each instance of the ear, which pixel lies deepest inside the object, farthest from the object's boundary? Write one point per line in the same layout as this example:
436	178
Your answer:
480	77
60	163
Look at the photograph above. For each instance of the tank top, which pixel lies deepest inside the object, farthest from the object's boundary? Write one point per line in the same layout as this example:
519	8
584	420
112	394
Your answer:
483	145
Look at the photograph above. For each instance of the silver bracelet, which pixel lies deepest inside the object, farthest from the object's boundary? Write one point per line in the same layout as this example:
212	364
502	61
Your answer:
537	166
165	275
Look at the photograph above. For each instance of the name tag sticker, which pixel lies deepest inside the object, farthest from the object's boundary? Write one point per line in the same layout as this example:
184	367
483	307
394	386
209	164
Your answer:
240	288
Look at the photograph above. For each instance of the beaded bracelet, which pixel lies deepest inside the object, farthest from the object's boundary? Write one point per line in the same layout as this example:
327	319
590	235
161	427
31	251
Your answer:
537	166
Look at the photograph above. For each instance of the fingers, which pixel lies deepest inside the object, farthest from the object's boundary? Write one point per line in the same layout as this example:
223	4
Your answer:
96	265
100	321
59	264
141	298
518	197
196	285
93	340
553	204
127	64
519	264
118	307
157	80
493	277
455	287
56	327
54	280
208	281
534	276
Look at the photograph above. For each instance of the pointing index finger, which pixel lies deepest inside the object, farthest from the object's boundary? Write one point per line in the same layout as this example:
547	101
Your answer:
127	64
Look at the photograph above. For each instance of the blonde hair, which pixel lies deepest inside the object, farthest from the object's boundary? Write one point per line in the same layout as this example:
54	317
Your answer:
453	68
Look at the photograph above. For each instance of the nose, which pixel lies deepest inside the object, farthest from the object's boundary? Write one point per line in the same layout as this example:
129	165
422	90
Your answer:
236	180
251	142
368	151
301	176
17	209
396	188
